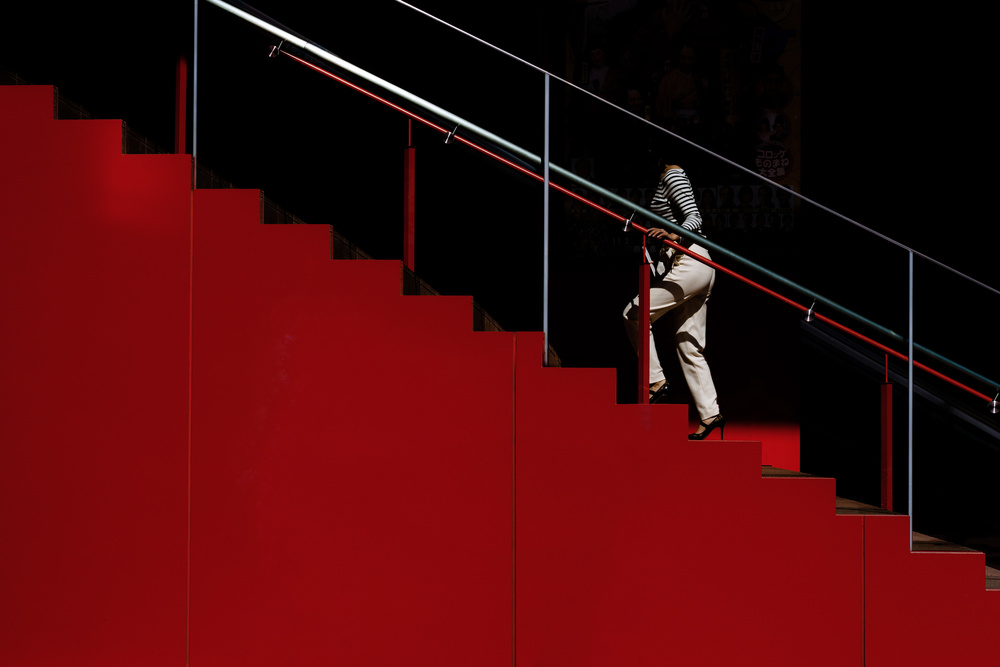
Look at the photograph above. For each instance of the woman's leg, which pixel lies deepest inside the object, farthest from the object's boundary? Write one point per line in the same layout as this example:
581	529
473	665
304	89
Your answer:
687	279
663	297
691	318
690	321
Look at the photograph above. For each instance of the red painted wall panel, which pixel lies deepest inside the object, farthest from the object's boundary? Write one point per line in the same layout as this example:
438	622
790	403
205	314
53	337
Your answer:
352	457
365	468
925	608
638	547
93	393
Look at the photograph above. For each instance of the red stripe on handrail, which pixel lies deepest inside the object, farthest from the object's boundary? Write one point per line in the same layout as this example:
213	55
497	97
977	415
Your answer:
606	211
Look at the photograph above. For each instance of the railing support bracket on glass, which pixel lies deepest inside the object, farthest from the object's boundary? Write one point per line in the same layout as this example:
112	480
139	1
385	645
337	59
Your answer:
809	313
628	223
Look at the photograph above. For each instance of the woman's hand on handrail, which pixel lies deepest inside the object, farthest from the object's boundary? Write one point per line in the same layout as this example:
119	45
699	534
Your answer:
658	233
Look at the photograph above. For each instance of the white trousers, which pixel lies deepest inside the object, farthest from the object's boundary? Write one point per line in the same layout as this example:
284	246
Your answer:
683	292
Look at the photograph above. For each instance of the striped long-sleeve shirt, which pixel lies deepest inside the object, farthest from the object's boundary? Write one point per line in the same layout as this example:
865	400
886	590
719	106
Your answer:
674	200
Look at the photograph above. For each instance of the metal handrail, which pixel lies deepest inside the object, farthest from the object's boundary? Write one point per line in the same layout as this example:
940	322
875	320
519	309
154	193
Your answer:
721	158
629	223
456	124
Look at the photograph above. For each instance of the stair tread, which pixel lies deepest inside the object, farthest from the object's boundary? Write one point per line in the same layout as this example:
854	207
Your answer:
921	542
771	471
846	506
992	578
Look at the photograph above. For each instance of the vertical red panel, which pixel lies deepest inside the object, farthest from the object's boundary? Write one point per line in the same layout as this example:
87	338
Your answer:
94	256
636	546
927	608
779	441
352	499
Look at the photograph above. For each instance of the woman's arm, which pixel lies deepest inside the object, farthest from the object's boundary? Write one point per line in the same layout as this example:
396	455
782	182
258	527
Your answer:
675	196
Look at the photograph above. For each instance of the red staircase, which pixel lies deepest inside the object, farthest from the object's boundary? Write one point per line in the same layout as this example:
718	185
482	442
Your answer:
220	447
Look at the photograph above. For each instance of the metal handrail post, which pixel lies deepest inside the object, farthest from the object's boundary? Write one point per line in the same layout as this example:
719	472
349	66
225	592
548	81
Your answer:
909	414
644	337
194	100
409	201
545	223
886	441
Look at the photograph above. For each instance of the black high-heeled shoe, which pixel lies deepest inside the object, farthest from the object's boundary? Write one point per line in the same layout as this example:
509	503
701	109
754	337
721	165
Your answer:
660	394
718	421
